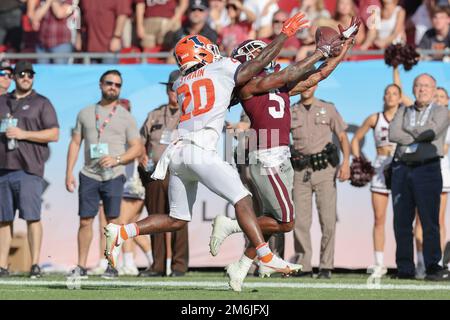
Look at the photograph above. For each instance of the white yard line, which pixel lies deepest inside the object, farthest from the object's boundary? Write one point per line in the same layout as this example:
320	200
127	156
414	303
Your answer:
73	284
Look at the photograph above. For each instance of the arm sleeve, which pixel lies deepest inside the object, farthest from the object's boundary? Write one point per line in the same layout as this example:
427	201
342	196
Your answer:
48	116
337	123
123	7
396	132
78	129
132	130
145	129
436	125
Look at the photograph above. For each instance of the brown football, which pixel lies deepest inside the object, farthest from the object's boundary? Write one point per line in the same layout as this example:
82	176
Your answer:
326	35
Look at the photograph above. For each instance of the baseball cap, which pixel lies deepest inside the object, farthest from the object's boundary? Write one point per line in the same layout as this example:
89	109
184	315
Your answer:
199	4
5	65
22	66
174	75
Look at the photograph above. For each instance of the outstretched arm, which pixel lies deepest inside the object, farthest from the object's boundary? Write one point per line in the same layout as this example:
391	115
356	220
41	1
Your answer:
407	101
251	68
322	72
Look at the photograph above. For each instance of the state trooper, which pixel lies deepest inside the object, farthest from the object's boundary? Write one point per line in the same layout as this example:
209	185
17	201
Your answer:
316	163
157	132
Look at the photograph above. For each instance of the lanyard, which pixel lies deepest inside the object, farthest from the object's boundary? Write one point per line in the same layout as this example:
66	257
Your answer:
101	127
423	119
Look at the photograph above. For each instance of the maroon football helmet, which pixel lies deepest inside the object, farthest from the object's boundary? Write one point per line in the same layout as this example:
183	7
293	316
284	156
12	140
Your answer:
248	50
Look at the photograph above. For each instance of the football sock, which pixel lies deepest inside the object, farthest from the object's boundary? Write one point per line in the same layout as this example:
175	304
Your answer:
149	255
168	266
245	262
379	258
420	258
128	259
264	253
129	231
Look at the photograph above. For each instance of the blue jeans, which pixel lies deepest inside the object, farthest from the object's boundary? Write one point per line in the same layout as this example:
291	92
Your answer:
62	48
416	187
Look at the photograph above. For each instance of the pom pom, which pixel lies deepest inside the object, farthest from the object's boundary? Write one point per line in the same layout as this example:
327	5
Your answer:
361	171
397	54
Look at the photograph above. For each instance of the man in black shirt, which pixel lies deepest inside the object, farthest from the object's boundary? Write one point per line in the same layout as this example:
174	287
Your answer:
438	38
197	17
28	124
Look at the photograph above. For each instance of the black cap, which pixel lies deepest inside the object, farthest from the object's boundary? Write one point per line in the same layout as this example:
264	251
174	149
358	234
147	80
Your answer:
174	75
22	66
199	4
5	65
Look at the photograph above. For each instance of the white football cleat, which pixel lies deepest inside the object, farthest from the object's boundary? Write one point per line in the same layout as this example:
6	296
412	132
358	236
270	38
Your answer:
128	271
378	271
221	230
237	274
277	265
113	243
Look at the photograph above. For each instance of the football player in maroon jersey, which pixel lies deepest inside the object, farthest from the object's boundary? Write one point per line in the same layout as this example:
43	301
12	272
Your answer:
265	100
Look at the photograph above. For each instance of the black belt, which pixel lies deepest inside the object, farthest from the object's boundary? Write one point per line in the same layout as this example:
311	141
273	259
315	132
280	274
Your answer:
420	163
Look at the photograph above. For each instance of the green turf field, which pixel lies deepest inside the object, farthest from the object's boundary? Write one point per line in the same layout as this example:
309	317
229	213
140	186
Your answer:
213	285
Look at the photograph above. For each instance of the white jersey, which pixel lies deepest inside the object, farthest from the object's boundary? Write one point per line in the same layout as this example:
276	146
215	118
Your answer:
204	97
381	132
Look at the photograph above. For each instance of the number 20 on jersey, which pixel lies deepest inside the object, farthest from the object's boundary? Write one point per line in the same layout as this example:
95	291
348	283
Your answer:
200	95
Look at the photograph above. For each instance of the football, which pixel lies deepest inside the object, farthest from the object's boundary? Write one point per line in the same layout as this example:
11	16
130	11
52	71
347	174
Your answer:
326	35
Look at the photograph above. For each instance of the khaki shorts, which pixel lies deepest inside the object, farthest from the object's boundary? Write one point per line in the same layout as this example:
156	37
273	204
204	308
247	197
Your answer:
156	29
275	189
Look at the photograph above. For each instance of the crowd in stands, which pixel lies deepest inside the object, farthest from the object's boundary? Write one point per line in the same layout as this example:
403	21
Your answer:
156	25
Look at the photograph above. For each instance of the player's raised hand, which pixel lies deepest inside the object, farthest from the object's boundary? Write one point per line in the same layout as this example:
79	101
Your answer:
352	30
294	24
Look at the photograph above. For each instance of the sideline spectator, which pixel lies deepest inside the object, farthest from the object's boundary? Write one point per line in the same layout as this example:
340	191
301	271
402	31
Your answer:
438	38
155	18
421	19
390	26
106	129
291	45
366	10
158	131
196	24
419	131
5	76
10	24
50	19
23	153
238	30
345	10
104	21
218	15
263	10
314	10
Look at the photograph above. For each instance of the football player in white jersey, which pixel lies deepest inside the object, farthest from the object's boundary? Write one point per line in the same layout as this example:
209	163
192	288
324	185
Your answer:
204	92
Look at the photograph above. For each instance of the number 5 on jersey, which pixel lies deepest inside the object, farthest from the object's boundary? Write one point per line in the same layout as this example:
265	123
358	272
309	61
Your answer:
197	99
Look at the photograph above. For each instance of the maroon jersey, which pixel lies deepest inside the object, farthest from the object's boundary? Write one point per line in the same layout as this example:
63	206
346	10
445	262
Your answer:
270	117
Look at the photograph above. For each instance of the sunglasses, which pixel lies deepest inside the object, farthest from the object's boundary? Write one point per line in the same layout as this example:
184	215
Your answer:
112	83
277	21
231	6
24	74
6	74
197	9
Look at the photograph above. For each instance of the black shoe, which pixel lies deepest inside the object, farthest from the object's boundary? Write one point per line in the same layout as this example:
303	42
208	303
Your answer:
110	273
79	272
403	276
324	274
150	273
35	271
441	275
177	274
303	274
4	272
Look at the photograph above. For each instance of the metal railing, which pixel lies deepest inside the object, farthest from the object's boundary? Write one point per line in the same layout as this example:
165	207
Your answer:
142	57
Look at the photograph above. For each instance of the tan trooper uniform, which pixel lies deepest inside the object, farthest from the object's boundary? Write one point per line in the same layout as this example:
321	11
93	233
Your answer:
312	129
157	132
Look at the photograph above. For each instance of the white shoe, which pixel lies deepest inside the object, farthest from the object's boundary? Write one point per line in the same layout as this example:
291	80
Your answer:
237	275
378	271
420	271
220	232
277	265
128	271
113	243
